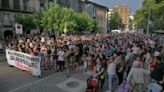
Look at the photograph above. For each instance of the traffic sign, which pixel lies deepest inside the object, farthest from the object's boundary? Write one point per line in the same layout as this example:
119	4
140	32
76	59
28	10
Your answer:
18	28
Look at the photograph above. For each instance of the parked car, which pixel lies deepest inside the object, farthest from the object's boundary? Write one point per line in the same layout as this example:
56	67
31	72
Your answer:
116	31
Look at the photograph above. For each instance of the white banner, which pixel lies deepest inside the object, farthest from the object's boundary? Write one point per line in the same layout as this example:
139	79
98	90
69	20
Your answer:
24	61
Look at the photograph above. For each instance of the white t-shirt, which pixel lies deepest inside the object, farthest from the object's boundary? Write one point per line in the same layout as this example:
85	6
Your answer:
68	43
136	50
127	57
43	39
152	43
85	64
31	45
61	56
147	58
156	53
98	67
111	69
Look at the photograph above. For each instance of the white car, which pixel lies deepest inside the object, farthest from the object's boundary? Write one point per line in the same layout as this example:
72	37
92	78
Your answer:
116	31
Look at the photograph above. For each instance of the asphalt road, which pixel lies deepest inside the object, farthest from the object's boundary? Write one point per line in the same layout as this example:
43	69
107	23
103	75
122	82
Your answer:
12	77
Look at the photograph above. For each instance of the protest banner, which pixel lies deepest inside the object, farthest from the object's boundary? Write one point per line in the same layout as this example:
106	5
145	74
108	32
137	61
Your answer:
24	61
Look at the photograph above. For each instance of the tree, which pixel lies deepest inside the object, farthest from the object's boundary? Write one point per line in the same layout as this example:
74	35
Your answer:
155	7
96	26
27	22
115	22
56	17
69	16
85	23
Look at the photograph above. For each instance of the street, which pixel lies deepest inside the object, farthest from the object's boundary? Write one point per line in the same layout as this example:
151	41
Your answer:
16	80
12	77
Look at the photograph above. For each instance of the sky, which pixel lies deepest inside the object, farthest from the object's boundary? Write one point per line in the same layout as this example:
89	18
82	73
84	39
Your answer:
133	4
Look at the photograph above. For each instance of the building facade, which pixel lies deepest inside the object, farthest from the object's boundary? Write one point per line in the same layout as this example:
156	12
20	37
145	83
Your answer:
97	12
124	12
110	12
101	16
9	9
131	22
74	4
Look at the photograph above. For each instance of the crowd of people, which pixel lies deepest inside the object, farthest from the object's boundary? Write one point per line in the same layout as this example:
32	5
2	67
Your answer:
136	59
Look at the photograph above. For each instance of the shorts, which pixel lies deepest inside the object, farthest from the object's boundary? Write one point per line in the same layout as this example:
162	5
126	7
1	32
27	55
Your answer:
77	58
60	63
55	57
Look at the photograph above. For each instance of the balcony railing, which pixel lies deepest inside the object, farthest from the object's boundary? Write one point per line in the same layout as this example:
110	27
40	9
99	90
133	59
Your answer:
21	9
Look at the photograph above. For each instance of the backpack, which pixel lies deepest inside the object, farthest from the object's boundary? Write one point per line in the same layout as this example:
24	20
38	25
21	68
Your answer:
153	87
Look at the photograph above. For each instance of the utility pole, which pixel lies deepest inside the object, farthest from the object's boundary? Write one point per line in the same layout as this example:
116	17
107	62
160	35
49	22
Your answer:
148	22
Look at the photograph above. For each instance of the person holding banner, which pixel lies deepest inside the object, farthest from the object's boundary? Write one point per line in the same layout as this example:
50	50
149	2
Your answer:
61	56
45	56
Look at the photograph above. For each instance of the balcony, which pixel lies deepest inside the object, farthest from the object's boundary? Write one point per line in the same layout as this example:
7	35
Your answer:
21	10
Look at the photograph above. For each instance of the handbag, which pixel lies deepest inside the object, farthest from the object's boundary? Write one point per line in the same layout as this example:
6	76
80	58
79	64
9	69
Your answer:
102	76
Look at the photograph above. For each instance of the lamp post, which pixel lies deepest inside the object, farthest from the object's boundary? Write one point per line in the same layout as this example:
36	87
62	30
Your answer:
148	22
1	33
82	5
160	23
65	28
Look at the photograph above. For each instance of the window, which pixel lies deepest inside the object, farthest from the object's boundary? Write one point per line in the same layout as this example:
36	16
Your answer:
6	19
16	4
5	4
64	3
49	1
41	4
26	5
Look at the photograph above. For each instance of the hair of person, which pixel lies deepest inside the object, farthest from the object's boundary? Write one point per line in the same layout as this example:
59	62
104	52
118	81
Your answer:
158	58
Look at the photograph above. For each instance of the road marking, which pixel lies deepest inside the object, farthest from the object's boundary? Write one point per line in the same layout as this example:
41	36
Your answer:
63	85
26	85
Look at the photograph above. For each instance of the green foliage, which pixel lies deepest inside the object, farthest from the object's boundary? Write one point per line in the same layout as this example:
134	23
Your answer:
156	15
115	22
54	18
27	22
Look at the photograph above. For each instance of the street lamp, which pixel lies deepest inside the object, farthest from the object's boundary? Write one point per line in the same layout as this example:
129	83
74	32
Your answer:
65	28
1	31
82	5
160	23
148	24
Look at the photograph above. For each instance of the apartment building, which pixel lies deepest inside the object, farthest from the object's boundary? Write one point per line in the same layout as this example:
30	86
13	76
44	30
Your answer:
124	12
9	9
97	12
